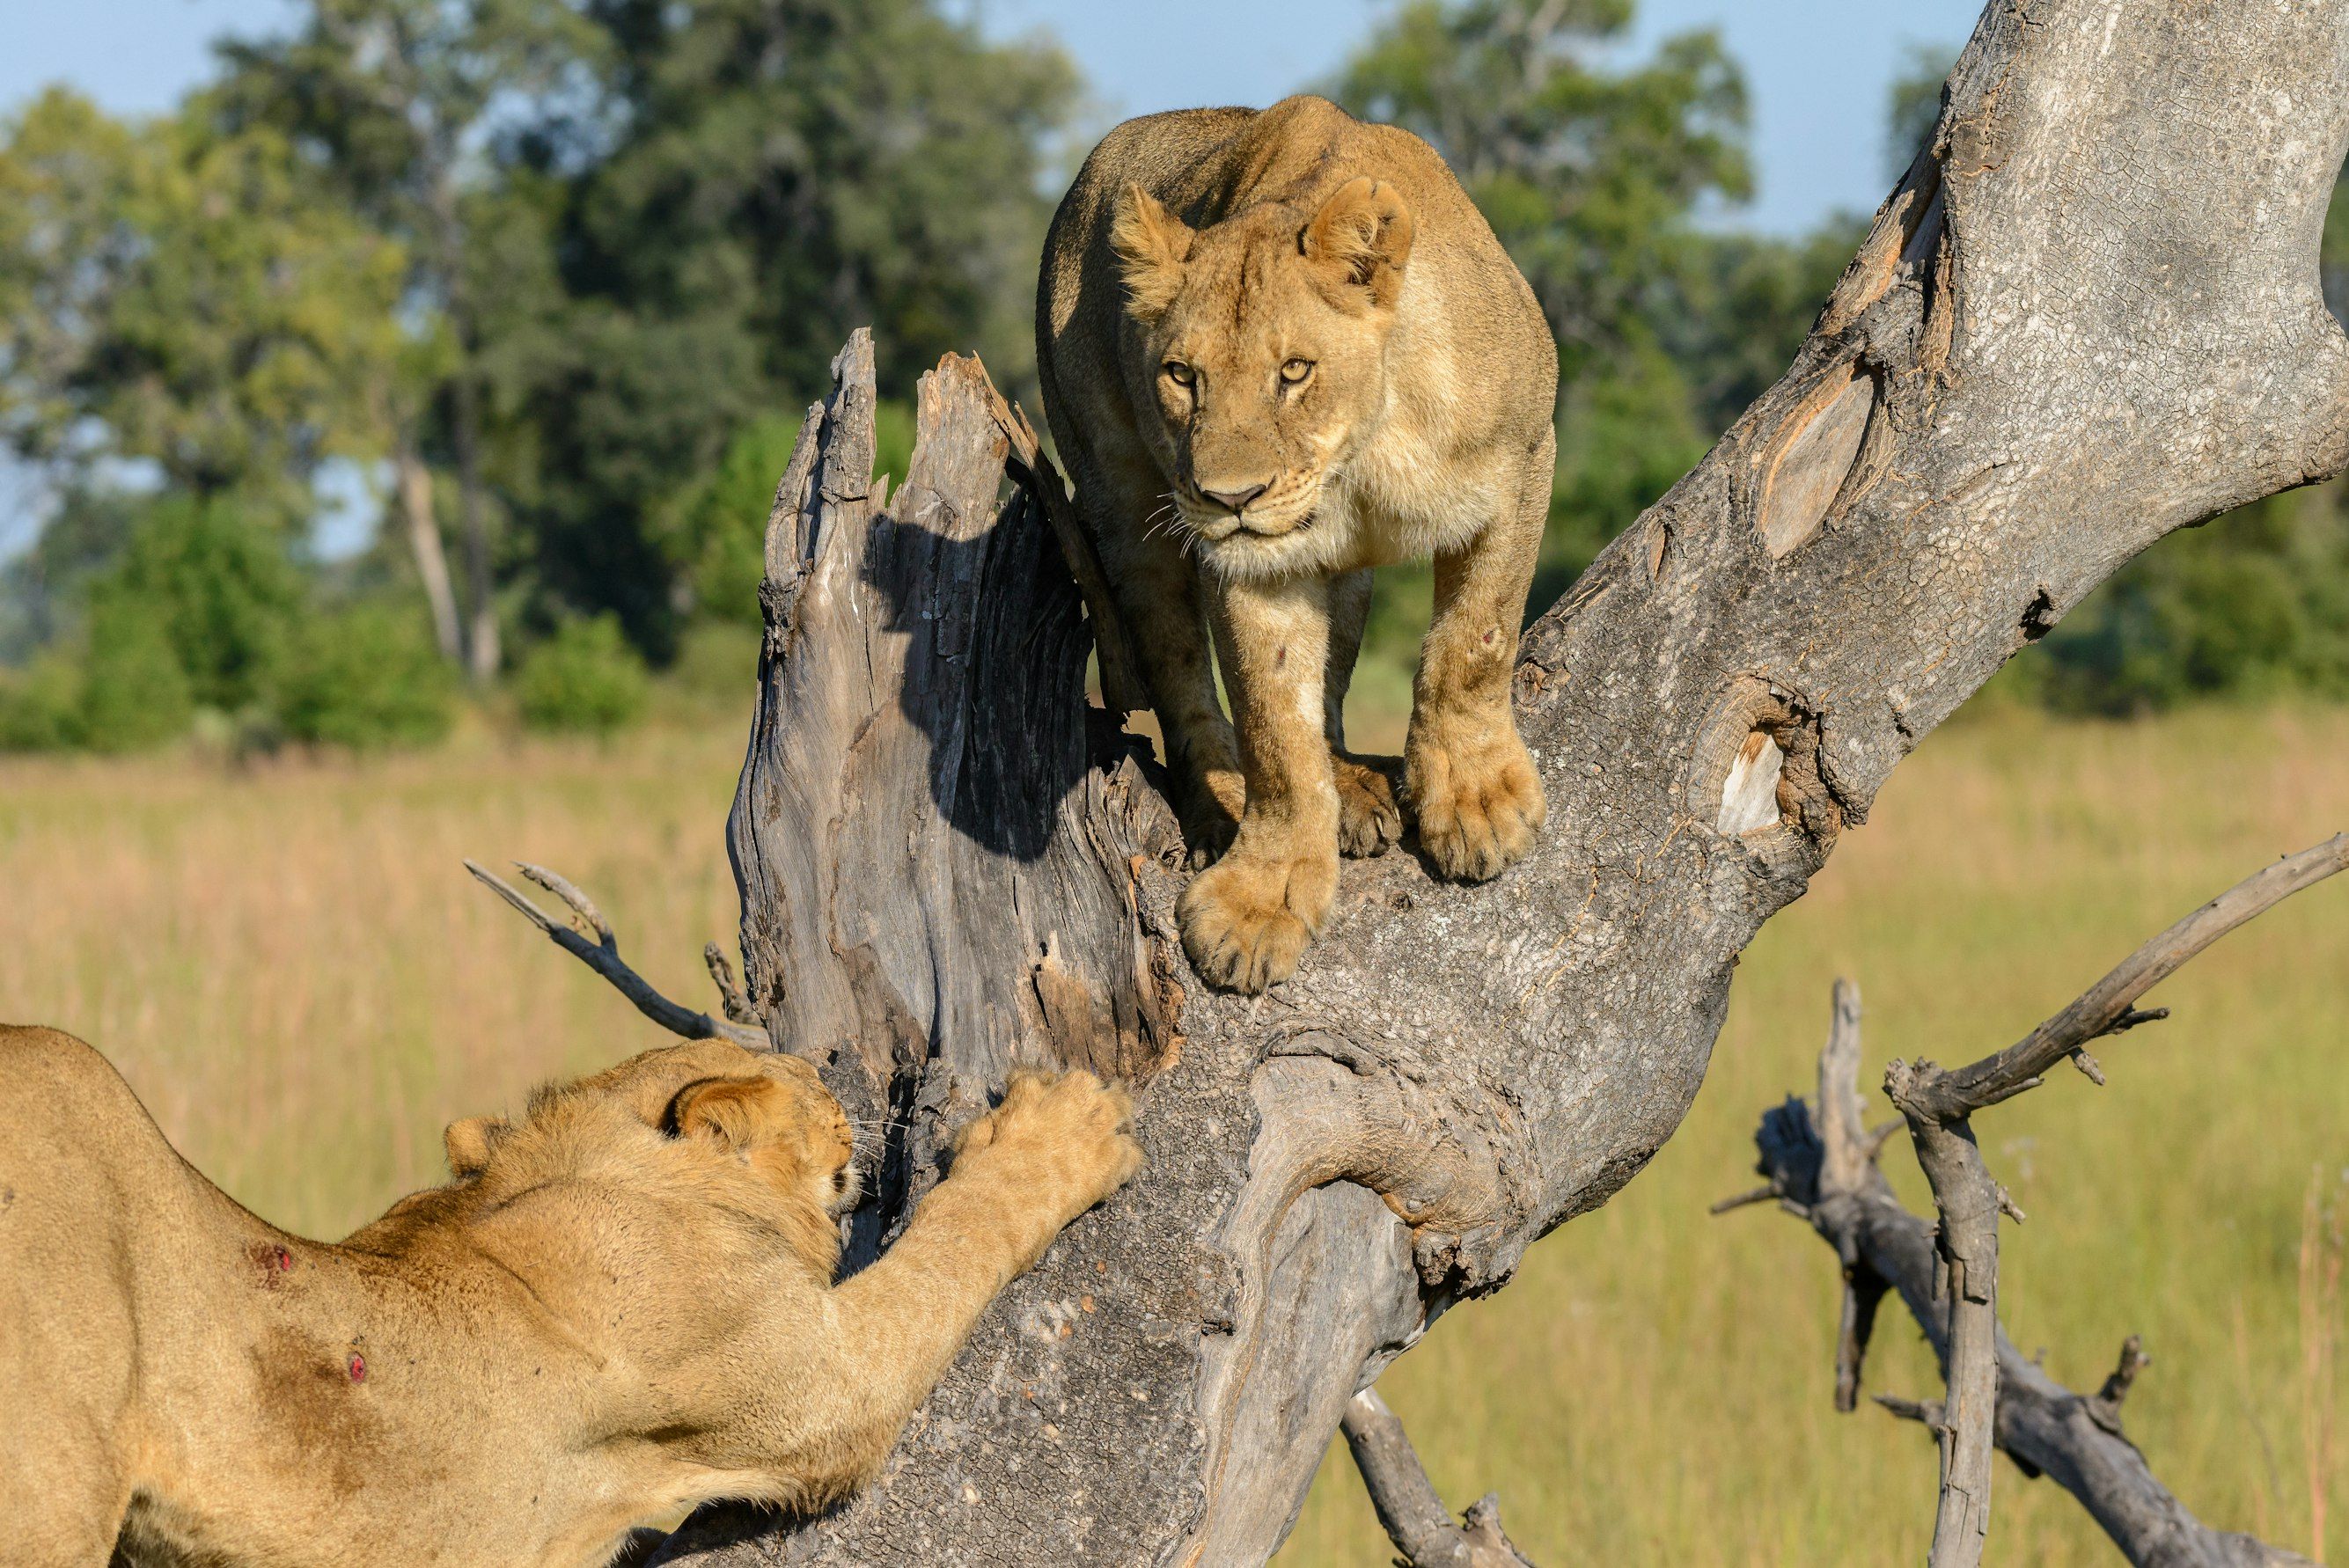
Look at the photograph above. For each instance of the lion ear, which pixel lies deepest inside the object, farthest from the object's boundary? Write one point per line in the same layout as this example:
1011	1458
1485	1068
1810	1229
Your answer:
732	1113
1360	241
471	1141
1152	244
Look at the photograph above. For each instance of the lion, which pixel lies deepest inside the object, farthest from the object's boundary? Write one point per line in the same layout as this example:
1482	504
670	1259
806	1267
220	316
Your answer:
1279	349
622	1306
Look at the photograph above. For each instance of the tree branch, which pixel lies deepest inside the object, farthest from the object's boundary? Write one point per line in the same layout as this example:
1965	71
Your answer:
1938	1106
1407	1505
602	955
2088	316
1820	1166
2107	1006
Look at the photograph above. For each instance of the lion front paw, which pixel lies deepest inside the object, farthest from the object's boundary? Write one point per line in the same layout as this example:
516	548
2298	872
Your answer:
1064	1137
1368	821
1245	919
1476	805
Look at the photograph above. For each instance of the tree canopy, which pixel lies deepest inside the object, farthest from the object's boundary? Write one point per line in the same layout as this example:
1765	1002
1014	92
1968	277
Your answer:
559	275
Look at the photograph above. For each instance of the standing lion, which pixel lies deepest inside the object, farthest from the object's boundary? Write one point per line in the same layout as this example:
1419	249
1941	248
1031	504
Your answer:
1279	349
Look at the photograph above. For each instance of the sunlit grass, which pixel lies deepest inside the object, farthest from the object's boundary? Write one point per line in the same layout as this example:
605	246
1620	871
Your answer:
293	969
1655	1387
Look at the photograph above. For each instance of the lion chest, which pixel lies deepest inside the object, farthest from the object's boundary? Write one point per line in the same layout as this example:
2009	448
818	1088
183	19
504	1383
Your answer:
1411	493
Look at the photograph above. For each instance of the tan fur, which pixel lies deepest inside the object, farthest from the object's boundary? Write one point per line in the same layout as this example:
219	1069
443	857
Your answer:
1297	301
623	1305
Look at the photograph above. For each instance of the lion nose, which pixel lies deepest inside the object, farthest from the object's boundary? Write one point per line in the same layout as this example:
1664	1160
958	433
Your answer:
1236	499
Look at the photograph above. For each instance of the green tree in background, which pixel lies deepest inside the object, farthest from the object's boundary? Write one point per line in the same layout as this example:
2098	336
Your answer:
390	99
1914	104
753	179
184	299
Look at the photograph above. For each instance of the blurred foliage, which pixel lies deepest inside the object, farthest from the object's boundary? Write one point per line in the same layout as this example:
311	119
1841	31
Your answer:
184	299
748	182
572	265
134	692
219	586
713	534
1913	105
585	678
366	678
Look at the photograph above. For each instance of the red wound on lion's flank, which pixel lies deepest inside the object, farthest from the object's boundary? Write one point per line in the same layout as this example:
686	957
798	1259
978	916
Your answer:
358	1367
285	1261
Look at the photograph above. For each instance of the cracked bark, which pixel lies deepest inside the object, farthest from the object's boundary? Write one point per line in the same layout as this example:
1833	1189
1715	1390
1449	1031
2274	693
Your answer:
2088	316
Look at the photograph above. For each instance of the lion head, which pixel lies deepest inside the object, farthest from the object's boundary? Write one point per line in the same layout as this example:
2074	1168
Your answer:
1264	340
705	1114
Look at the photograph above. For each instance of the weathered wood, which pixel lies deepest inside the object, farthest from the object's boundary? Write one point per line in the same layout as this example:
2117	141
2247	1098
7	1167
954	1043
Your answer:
1938	1106
1407	1504
2088	316
603	956
1823	1169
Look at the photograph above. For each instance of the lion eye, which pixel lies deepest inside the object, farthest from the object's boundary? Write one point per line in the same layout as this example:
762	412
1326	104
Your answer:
1179	373
1295	371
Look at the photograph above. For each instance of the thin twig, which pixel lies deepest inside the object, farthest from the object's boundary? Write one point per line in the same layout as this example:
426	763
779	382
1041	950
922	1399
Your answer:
2108	1006
602	955
731	995
1820	1170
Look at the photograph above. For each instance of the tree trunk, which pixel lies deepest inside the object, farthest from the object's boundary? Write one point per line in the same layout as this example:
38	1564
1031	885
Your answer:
2088	316
415	484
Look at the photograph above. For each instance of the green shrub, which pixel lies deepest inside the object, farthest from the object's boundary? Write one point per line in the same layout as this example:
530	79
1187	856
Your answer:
40	706
134	693
585	678
714	533
716	671
220	584
368	677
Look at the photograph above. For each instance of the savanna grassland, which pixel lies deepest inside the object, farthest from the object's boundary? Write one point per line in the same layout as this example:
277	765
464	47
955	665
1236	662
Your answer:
291	966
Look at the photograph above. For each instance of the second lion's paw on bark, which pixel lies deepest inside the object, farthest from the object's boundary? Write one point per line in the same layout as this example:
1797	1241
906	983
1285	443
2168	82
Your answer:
1477	804
1247	919
1209	809
1064	1139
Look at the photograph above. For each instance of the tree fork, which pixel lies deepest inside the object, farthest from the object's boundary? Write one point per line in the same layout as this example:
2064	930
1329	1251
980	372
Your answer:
2088	316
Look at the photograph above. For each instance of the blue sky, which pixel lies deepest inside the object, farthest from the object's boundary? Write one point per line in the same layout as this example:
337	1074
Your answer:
1818	68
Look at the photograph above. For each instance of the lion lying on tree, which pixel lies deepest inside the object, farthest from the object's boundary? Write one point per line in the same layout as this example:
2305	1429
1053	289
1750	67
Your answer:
622	1306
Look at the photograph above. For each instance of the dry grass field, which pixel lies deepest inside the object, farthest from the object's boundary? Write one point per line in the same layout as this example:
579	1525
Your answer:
295	972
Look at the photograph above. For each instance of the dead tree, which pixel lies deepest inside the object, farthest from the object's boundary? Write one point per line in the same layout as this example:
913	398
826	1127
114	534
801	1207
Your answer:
1820	1163
2089	315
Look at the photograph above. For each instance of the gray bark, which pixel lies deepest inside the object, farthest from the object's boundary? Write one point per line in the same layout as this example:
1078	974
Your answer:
1407	1504
1940	1105
414	482
1823	1168
2088	316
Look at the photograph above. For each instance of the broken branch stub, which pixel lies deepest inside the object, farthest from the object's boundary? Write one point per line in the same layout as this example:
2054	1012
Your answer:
1407	1504
2088	316
603	956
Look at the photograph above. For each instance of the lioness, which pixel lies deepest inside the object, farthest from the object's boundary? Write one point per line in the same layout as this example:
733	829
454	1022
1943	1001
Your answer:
622	1306
1286	346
